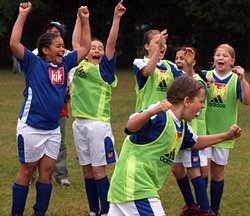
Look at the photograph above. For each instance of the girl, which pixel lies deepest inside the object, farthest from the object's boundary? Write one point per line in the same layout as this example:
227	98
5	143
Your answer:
90	104
155	137
192	163
38	131
230	87
153	74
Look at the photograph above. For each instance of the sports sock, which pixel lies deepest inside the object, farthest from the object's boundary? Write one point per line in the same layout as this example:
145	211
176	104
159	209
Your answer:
201	193
19	196
186	191
92	195
206	181
216	192
43	193
102	188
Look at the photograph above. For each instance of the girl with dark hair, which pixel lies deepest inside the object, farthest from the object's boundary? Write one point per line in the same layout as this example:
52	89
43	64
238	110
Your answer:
38	130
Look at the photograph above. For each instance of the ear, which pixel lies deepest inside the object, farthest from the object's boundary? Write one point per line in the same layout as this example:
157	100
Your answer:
194	62
45	50
146	46
186	101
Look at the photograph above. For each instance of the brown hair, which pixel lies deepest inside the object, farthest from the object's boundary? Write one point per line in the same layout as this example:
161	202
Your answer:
197	68
183	86
148	37
45	41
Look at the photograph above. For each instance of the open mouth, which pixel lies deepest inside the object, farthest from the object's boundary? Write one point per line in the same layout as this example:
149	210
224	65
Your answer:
96	58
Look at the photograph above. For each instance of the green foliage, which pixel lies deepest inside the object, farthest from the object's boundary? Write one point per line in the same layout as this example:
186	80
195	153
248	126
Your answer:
202	24
221	14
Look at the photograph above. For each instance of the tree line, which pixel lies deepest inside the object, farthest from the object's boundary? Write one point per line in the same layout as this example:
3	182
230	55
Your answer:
201	24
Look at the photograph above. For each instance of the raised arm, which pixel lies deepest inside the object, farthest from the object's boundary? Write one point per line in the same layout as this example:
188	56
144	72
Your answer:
244	84
76	37
149	69
208	140
113	34
84	32
15	39
139	119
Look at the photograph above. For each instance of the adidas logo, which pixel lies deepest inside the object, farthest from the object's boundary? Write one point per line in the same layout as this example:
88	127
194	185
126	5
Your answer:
80	73
168	158
217	102
162	86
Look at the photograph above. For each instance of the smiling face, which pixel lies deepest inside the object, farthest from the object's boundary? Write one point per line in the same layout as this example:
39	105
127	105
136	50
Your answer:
96	52
223	60
54	53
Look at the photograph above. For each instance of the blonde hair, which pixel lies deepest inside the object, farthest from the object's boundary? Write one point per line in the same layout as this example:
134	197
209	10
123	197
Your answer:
229	48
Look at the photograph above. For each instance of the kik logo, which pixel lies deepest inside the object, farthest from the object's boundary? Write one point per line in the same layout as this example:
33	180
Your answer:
168	158
217	102
56	75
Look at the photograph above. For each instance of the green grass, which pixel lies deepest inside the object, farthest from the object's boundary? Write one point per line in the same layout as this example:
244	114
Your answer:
72	200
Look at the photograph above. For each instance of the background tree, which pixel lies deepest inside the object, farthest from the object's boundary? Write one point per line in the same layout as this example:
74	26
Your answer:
202	24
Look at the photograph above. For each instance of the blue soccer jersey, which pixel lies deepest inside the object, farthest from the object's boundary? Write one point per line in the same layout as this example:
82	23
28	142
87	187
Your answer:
45	90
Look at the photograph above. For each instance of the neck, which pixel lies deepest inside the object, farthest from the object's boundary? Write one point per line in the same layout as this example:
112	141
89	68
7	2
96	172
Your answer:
177	110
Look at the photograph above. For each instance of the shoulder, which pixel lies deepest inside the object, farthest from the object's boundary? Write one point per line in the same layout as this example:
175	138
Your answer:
140	63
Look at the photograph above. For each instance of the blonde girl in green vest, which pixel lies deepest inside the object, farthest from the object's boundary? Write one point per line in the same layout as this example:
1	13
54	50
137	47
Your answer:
155	136
153	73
223	98
91	93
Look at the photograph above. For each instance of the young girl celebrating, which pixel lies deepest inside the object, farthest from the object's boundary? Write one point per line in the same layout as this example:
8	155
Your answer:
190	163
155	137
38	131
154	75
91	87
230	87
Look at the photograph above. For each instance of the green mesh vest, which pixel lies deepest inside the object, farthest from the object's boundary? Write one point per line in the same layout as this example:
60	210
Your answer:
142	168
198	124
90	94
155	88
222	108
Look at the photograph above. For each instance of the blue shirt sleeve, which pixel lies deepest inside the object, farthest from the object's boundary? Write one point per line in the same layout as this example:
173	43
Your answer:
176	72
141	80
107	68
189	138
70	60
239	90
150	131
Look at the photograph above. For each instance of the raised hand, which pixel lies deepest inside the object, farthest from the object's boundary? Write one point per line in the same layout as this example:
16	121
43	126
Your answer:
25	7
119	9
189	56
239	71
83	13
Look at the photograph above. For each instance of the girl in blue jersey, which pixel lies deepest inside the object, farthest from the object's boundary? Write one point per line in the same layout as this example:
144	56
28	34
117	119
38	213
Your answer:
38	131
91	91
155	136
153	73
230	86
189	163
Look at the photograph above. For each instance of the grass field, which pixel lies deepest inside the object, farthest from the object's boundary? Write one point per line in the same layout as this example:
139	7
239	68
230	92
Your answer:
71	201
